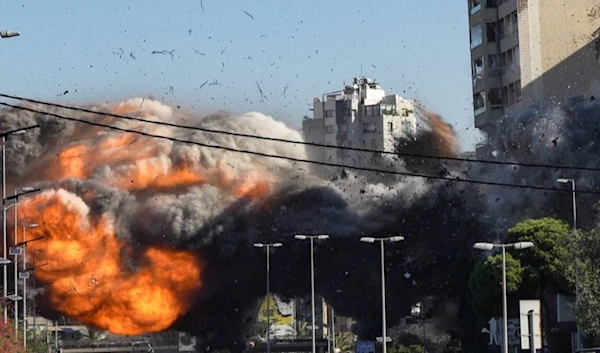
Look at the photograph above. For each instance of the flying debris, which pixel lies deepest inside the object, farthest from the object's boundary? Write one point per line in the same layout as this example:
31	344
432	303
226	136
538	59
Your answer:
143	235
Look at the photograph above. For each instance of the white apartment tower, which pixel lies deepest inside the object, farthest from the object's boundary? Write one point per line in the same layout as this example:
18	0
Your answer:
359	116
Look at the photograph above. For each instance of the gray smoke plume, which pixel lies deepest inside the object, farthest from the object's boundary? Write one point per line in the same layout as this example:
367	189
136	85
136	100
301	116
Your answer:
217	204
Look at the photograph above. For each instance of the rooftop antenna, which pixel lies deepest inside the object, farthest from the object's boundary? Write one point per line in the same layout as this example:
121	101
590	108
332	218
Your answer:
361	72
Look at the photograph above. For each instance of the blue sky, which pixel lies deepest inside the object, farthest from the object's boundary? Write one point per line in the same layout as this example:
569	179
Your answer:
102	51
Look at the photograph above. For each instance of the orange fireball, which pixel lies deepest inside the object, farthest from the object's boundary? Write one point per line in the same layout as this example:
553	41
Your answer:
94	276
87	278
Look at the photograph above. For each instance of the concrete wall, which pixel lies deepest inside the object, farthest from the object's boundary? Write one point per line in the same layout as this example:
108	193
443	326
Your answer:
559	56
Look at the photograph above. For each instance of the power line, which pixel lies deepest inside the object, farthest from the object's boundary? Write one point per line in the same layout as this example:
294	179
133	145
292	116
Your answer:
314	144
383	171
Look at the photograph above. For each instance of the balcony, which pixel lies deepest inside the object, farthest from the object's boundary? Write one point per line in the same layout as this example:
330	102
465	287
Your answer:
488	117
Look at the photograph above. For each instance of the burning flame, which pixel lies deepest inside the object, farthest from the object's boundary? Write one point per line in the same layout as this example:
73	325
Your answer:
84	272
90	274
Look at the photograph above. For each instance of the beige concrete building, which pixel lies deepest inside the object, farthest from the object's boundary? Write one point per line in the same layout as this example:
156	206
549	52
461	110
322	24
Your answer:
529	51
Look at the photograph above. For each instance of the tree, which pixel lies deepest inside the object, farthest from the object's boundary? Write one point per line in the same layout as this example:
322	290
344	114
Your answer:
344	341
544	264
10	341
584	261
92	335
302	330
260	331
538	272
485	283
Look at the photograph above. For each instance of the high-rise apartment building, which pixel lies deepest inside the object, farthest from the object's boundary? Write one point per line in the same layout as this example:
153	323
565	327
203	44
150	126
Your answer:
361	116
530	51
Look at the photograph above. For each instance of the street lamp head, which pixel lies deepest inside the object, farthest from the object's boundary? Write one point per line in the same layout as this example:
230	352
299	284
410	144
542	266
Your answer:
19	132
277	245
4	261
396	238
323	236
523	245
9	34
33	225
483	246
14	297
367	239
300	236
27	188
259	245
563	181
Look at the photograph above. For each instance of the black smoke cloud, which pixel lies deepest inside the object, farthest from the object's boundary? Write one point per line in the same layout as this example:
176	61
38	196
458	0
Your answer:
440	220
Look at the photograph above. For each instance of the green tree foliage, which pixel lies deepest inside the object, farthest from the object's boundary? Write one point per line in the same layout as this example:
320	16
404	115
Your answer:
485	282
544	264
345	342
528	272
584	263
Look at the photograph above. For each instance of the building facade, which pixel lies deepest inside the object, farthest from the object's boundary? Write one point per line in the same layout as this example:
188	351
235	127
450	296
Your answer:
360	116
529	51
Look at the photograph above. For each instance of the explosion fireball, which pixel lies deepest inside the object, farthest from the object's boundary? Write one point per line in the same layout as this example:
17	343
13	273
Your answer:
143	234
86	268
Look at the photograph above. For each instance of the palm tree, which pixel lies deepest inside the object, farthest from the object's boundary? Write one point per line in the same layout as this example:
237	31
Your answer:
92	335
260	330
344	341
302	330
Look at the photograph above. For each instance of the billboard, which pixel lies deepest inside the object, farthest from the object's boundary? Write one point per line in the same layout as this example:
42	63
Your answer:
281	316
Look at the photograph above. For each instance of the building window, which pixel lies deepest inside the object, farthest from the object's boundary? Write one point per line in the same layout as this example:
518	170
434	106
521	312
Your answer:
374	144
490	29
476	38
475	6
479	102
478	67
405	112
329	113
370	127
407	127
495	98
502	28
493	61
372	110
330	129
391	127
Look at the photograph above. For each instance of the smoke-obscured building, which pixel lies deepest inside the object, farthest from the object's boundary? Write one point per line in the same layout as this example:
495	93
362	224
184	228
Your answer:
530	51
361	115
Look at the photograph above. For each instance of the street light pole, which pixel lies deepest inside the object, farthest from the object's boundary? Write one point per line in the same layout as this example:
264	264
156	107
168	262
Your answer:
574	201
4	240
16	262
312	282
574	198
25	276
487	247
268	247
504	304
383	306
